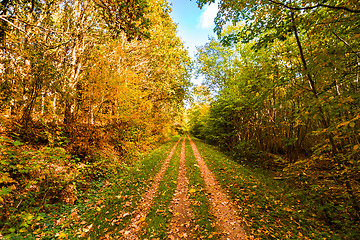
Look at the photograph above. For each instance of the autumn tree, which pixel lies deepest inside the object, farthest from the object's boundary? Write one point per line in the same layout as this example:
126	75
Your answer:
288	84
94	62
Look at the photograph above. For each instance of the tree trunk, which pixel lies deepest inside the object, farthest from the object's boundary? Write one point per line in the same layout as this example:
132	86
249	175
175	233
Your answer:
3	24
68	118
325	121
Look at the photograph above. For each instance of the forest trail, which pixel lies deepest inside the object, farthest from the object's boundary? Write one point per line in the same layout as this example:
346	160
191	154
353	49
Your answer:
182	222
227	218
146	201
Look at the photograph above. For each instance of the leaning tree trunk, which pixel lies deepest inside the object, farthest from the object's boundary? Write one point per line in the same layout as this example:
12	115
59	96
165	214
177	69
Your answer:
325	121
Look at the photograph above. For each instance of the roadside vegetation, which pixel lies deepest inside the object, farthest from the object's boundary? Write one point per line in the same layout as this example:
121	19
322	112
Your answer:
281	93
82	98
102	208
275	209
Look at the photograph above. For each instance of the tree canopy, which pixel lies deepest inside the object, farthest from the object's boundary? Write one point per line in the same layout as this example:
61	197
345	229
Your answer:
95	62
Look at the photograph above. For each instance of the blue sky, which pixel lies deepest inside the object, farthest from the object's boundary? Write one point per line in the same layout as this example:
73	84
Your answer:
194	25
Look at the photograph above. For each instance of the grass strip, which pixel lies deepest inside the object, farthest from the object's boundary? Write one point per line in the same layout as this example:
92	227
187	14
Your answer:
107	208
204	221
271	211
158	219
126	194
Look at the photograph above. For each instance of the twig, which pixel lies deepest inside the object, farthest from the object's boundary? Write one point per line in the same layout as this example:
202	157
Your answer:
19	203
315	6
346	44
21	30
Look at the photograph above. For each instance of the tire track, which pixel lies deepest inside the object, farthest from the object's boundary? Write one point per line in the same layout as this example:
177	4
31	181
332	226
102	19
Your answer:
221	207
139	215
181	221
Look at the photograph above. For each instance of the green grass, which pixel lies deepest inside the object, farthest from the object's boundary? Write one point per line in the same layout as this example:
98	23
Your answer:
158	219
204	221
104	209
272	209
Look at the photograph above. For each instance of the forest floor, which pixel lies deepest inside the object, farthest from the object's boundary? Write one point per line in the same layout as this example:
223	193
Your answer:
185	189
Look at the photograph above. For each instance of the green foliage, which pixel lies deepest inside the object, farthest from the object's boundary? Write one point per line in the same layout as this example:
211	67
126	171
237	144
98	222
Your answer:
103	205
286	96
30	184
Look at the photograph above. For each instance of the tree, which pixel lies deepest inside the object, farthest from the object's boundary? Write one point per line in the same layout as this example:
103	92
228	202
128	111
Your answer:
296	74
96	62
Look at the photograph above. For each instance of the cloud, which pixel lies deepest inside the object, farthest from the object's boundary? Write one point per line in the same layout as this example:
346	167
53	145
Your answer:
207	17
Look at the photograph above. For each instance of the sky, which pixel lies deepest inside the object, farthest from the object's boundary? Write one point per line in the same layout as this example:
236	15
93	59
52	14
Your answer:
195	26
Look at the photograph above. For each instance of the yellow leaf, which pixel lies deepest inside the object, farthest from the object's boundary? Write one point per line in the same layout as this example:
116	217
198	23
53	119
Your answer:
356	147
62	235
192	190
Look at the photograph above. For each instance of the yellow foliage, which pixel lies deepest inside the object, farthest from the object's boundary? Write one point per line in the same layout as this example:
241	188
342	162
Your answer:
5	178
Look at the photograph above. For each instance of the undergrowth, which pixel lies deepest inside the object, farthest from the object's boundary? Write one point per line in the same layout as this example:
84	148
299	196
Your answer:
47	192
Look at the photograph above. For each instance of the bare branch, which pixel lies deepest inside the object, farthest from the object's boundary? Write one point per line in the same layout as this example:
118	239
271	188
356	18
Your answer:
21	30
347	44
315	6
